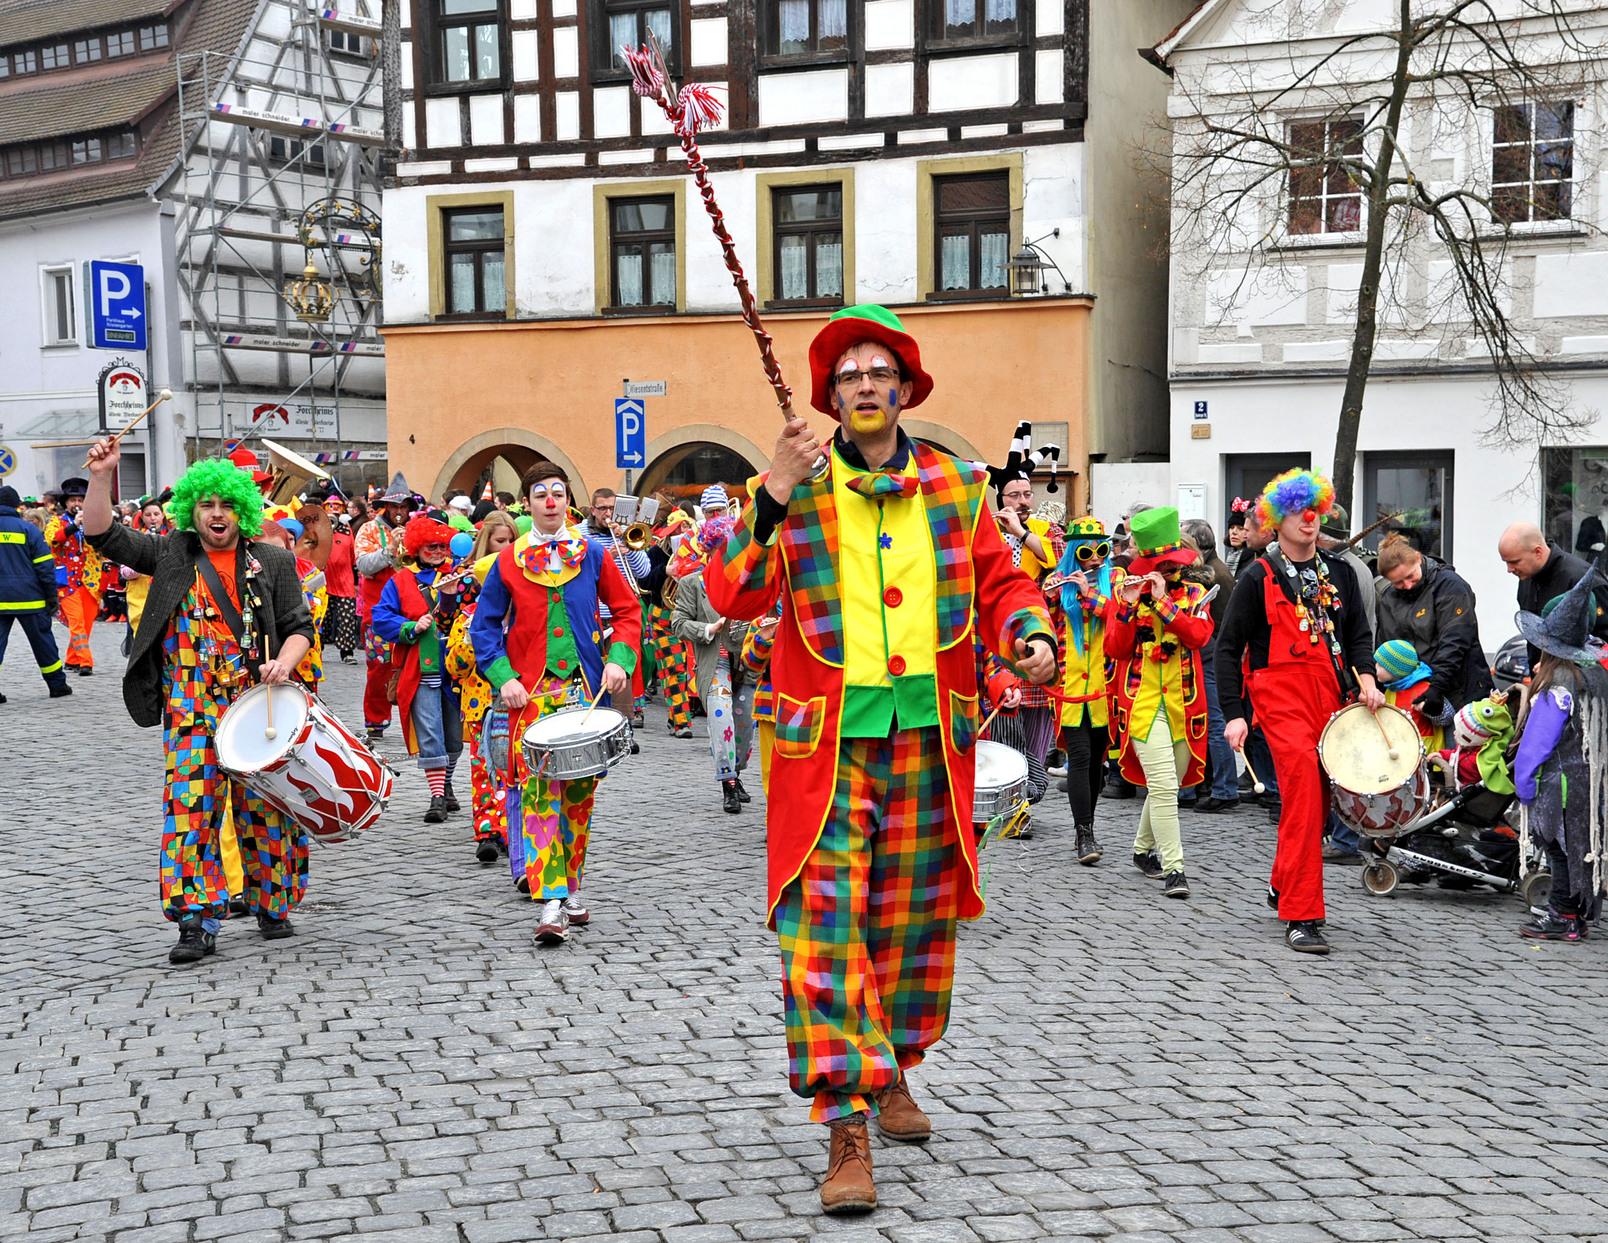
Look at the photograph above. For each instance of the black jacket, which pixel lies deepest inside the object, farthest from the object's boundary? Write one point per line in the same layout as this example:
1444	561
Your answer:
1437	618
171	562
27	567
1561	572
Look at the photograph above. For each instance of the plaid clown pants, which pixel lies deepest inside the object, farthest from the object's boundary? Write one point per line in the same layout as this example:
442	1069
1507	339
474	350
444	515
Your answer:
673	660
554	818
273	848
867	929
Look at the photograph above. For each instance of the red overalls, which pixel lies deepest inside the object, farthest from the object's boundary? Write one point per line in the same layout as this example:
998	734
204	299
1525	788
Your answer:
1292	700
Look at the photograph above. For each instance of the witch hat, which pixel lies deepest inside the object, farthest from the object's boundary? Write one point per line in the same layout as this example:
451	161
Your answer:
398	493
1565	630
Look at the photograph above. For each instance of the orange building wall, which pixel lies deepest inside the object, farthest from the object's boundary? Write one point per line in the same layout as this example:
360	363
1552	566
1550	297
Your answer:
458	393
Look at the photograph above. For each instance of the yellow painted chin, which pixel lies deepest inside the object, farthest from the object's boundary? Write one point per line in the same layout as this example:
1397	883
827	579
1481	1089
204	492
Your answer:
867	421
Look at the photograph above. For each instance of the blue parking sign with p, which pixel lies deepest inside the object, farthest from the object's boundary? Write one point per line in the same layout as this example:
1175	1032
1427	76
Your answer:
630	434
115	294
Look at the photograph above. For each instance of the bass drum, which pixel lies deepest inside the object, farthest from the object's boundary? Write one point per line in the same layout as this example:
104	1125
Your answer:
1376	793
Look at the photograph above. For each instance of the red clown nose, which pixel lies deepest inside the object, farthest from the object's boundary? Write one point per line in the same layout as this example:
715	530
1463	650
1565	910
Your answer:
1309	515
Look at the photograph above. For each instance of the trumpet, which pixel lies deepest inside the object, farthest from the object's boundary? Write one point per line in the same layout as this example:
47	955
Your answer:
635	537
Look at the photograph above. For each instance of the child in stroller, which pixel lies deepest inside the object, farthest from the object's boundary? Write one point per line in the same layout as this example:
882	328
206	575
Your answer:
1464	838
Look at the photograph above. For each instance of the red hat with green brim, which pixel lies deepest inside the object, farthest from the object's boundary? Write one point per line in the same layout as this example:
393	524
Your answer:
848	328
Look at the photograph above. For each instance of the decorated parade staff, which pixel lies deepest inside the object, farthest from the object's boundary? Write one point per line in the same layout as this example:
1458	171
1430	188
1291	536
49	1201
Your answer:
376	550
1079	592
883	561
78	575
536	639
223	611
1295	621
414	615
28	592
1156	625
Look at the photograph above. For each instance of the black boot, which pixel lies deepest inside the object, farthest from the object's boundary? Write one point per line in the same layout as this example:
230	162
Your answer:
438	809
731	802
452	799
1088	849
274	929
59	690
194	943
486	850
743	793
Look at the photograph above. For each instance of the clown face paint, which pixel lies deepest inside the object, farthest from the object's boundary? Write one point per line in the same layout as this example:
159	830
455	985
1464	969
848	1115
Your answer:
871	405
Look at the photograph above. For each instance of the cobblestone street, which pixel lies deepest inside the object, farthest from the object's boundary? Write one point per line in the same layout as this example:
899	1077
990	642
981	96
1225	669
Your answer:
411	1066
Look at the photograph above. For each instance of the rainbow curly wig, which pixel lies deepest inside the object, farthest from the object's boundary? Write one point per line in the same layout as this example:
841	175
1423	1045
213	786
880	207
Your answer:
225	480
1290	493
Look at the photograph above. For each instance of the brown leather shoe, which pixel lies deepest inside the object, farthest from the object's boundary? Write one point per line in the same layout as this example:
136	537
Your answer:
848	1186
899	1117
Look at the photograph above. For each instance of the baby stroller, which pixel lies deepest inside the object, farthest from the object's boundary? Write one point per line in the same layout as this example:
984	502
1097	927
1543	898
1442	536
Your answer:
1381	787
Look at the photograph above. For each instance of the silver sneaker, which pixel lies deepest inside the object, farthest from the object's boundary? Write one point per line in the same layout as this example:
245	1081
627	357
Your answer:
552	928
579	916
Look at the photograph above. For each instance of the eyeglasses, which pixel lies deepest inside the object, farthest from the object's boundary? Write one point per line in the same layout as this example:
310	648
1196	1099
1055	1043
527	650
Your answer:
1088	554
848	381
541	491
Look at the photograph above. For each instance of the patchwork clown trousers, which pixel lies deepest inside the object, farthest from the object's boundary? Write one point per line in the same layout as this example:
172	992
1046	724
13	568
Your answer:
79	608
867	929
273	848
731	721
673	661
548	821
377	705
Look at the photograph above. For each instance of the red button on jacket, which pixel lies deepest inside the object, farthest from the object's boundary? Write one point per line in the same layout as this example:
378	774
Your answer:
893	597
896	665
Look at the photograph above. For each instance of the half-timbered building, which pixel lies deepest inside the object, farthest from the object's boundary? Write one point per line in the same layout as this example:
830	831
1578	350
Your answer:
546	246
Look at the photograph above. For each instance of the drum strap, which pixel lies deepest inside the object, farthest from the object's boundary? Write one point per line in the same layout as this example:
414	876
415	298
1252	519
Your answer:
220	597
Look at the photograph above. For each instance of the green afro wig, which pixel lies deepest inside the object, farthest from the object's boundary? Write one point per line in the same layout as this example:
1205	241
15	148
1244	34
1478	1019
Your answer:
216	477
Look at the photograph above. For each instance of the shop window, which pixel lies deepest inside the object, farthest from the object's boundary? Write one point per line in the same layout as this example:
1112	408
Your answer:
642	252
468	41
1575	484
807	243
1532	162
475	252
628	23
972	224
806	27
1415	490
1324	196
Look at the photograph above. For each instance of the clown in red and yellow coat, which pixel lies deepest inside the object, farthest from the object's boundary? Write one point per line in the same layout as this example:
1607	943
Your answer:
880	565
78	575
1156	624
416	615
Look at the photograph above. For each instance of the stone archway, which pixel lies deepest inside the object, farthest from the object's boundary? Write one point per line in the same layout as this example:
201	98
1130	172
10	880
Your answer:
945	438
518	446
672	450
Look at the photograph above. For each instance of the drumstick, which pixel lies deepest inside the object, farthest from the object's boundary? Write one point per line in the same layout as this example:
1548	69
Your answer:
165	395
591	706
1383	732
1256	782
269	731
988	720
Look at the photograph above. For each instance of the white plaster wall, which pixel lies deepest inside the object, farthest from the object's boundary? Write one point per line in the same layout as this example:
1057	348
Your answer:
443	123
486	120
803	98
611	111
38	382
959	83
527	118
1492	486
890	90
889	24
525	47
707	46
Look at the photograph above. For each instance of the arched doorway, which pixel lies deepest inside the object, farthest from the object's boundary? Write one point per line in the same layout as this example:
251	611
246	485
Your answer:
684	470
502	454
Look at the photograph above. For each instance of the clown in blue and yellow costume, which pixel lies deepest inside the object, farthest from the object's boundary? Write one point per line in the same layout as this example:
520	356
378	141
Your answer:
1079	592
882	563
224	611
546	586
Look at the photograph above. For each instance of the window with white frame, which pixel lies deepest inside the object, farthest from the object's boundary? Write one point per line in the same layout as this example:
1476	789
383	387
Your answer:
60	321
1325	194
1532	162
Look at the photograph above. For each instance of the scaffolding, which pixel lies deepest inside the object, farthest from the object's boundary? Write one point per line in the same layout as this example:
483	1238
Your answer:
277	229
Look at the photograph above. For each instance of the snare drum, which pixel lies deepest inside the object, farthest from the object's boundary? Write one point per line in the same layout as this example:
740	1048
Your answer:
576	742
1373	793
1001	781
314	769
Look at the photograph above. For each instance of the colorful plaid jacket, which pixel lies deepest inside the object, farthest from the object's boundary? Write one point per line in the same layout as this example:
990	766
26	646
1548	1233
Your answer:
800	566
